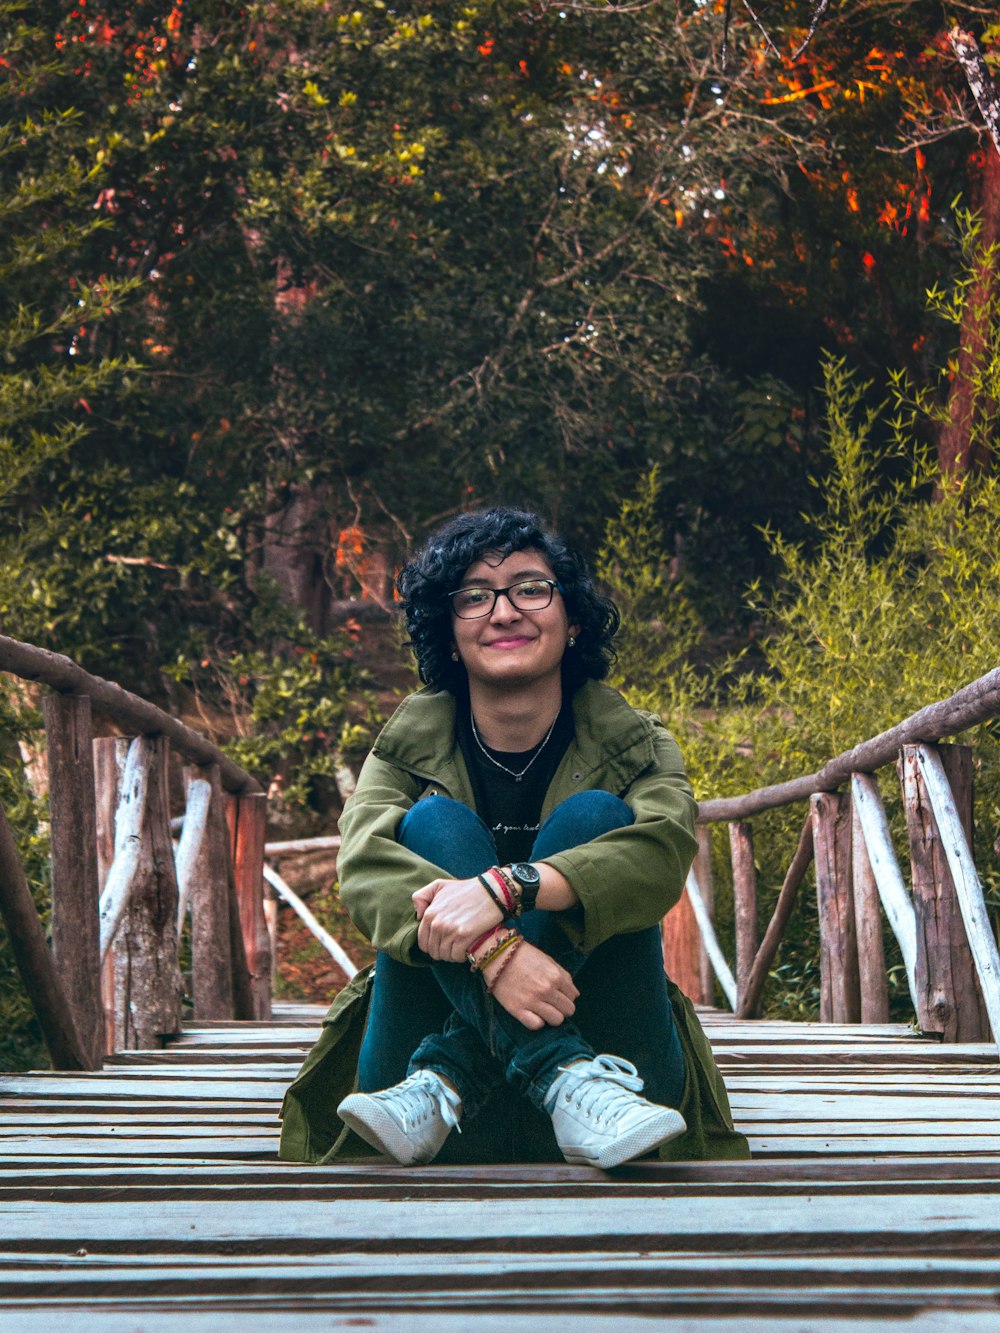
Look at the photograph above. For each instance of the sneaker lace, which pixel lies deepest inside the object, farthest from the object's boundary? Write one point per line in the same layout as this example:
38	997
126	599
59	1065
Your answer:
604	1084
413	1094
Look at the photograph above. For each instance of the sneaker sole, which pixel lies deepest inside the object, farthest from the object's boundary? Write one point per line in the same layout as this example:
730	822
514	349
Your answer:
644	1138
378	1129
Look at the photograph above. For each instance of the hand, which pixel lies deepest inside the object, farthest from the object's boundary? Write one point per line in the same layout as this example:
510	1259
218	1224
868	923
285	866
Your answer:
533	988
453	913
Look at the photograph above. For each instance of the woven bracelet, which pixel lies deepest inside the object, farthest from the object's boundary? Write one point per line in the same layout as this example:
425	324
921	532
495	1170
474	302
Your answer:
504	911
492	934
508	955
511	886
478	963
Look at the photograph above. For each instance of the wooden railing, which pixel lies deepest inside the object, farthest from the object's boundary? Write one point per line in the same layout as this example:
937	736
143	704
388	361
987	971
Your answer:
120	898
941	923
119	902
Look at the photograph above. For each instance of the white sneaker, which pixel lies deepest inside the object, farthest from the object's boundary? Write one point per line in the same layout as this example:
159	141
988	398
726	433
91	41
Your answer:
598	1118
408	1122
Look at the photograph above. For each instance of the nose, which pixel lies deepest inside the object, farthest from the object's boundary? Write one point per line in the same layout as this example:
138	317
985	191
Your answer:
504	611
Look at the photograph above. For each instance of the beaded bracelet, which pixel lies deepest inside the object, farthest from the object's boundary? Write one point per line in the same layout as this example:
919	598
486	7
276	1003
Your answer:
512	887
508	887
508	954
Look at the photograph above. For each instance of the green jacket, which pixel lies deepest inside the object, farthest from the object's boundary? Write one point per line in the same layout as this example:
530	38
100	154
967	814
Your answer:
626	880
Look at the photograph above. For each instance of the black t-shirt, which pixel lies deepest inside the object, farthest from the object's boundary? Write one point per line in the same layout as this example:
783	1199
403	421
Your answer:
509	806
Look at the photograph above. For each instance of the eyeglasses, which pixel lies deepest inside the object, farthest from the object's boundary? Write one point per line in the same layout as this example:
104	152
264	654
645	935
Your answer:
529	595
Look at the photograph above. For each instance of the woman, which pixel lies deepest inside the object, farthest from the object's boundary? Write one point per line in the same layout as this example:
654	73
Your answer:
516	836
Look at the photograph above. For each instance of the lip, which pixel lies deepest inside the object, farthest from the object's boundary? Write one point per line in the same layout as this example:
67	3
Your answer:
511	641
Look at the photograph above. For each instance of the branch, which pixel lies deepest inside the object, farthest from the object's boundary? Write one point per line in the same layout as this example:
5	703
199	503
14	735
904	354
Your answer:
977	73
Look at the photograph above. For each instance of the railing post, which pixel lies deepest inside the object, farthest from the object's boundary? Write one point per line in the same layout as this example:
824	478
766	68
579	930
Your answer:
840	1000
744	901
204	871
75	892
109	762
33	960
949	997
247	816
685	958
868	925
147	975
703	871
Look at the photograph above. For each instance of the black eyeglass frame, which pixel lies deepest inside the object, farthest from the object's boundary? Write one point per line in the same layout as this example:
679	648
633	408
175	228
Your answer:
554	586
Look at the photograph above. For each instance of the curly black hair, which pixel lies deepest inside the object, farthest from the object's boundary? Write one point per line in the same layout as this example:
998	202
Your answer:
437	569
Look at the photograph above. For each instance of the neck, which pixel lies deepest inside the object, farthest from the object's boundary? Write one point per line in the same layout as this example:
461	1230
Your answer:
512	719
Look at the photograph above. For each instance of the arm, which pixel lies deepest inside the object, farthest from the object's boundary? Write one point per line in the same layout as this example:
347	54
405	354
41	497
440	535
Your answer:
630	878
378	876
454	912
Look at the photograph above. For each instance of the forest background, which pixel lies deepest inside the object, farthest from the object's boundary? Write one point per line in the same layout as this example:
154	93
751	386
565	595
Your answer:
286	284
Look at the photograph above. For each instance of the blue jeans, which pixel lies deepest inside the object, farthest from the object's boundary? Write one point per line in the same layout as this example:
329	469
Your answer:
440	1017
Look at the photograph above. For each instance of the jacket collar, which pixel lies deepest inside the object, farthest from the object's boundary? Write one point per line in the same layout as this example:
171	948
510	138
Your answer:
420	735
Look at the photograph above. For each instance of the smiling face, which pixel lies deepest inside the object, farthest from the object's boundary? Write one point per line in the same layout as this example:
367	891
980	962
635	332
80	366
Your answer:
511	647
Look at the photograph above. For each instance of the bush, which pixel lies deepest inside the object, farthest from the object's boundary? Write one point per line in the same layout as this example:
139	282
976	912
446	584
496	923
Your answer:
893	604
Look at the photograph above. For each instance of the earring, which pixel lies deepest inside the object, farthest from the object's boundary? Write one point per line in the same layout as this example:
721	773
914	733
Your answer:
571	642
454	654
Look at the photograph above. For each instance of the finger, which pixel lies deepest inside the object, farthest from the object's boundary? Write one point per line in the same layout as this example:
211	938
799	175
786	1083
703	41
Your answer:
530	1020
549	1014
561	1002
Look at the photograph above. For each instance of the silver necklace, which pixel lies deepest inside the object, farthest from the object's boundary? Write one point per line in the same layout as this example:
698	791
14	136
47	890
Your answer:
496	762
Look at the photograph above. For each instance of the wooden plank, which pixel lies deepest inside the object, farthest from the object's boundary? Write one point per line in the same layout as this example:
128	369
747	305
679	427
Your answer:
76	943
827	1223
803	1107
313	1316
244	1089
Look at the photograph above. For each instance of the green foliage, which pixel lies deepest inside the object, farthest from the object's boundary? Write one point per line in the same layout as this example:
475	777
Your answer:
20	1038
660	630
49	309
298	714
896	604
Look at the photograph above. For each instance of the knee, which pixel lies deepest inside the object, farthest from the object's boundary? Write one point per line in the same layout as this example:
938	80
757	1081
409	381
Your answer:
579	819
602	807
449	835
434	818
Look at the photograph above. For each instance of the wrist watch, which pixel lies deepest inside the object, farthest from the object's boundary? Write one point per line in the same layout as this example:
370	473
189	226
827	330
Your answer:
530	881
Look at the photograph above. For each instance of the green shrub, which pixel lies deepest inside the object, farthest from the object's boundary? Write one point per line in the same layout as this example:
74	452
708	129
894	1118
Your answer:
893	604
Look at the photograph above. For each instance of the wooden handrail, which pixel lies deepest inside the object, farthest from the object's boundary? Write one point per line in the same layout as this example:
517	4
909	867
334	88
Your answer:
135	715
975	702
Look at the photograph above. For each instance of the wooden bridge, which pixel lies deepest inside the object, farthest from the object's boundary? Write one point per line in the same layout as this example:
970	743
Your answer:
140	1183
149	1196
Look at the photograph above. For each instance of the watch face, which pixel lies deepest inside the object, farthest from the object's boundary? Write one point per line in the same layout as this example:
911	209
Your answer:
525	873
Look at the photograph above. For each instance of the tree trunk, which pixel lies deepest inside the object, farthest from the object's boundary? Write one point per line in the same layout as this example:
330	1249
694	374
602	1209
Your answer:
965	438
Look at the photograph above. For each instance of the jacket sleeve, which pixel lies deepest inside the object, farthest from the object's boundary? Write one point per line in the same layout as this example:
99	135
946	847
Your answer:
377	875
630	878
